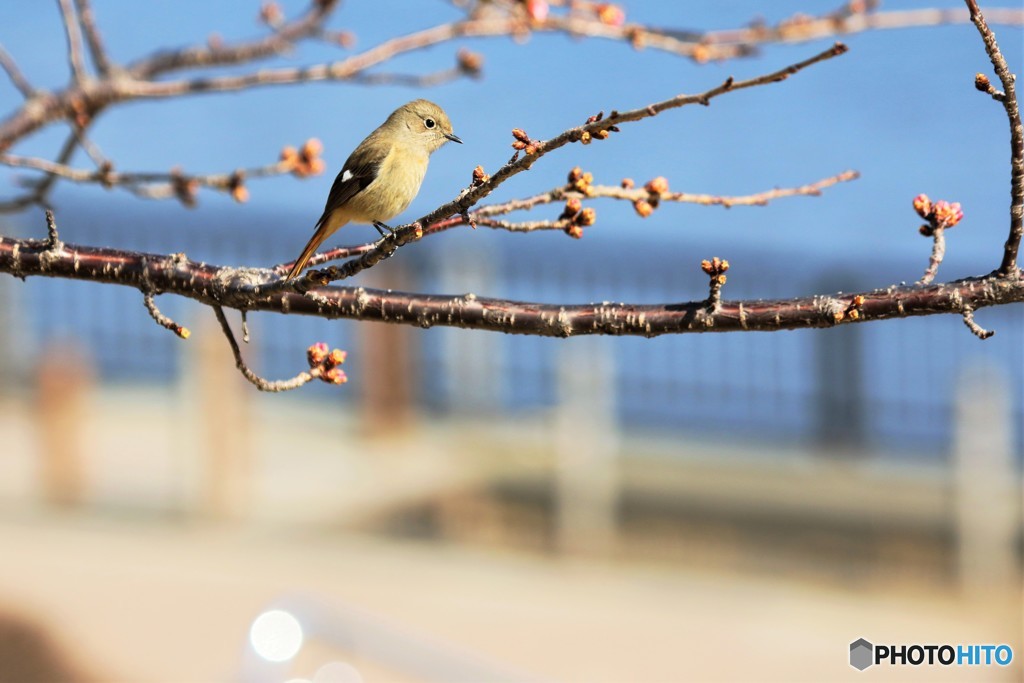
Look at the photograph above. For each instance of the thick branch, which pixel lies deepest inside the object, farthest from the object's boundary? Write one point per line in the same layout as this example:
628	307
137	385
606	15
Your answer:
233	287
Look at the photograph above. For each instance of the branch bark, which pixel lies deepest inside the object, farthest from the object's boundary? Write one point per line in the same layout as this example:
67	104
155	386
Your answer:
233	288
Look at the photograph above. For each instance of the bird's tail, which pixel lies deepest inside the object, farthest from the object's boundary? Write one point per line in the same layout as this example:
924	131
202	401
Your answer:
323	231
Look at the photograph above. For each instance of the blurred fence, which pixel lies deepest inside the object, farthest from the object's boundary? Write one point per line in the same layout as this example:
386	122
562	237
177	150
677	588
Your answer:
884	386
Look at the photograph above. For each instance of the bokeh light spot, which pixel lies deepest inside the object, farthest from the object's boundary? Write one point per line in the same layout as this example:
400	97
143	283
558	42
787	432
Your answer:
276	635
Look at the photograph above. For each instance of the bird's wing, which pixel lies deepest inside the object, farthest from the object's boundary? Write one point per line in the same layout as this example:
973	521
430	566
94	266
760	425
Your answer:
355	176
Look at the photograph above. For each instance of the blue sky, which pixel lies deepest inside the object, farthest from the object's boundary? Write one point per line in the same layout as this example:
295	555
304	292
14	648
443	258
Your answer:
900	108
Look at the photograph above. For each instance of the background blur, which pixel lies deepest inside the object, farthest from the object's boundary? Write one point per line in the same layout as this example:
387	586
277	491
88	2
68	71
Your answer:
472	506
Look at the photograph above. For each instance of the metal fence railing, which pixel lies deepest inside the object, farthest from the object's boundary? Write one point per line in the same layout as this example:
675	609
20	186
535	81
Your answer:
888	385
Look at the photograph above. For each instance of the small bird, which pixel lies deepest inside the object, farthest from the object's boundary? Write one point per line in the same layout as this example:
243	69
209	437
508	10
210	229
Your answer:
384	173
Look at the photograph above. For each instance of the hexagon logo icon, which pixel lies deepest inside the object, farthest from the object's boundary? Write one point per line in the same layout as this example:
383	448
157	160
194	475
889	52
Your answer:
861	654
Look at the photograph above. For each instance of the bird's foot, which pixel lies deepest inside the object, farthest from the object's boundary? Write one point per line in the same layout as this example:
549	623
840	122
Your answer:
381	227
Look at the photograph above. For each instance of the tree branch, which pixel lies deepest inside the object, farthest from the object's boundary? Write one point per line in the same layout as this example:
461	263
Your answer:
73	31
206	56
260	383
1009	101
93	38
10	67
233	287
802	27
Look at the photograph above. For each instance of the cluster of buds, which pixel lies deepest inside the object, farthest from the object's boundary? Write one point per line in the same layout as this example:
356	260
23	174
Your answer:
306	161
469	62
852	310
236	186
701	53
715	268
581	181
537	10
607	13
578	217
610	14
940	215
271	14
186	189
523	141
479	177
325	364
655	187
601	134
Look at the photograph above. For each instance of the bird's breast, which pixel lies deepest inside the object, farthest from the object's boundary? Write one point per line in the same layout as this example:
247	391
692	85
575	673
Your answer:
396	185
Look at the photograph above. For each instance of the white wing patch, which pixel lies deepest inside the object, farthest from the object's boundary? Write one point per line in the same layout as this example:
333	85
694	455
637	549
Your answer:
346	176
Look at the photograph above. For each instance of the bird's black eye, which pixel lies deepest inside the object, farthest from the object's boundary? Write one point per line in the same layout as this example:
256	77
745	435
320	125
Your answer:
429	123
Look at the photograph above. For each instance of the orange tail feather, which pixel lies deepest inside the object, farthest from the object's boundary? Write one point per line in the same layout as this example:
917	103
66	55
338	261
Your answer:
323	231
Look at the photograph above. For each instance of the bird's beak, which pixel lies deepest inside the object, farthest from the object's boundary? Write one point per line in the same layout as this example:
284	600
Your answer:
453	137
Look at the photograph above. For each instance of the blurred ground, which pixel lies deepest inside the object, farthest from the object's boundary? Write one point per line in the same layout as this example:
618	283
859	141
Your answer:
158	602
440	553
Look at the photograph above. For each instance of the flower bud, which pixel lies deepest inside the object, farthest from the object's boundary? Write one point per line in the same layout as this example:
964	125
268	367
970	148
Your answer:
923	206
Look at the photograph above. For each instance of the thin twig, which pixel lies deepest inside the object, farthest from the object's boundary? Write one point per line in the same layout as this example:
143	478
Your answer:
140	82
92	37
801	27
257	381
1009	101
52	236
938	234
9	66
73	31
207	56
482	216
161	319
468	198
40	190
91	149
634	194
147	184
976	329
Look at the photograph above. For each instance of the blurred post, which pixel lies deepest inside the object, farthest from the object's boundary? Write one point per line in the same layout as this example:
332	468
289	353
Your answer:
216	421
987	485
12	346
64	391
473	365
839	372
586	448
386	363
